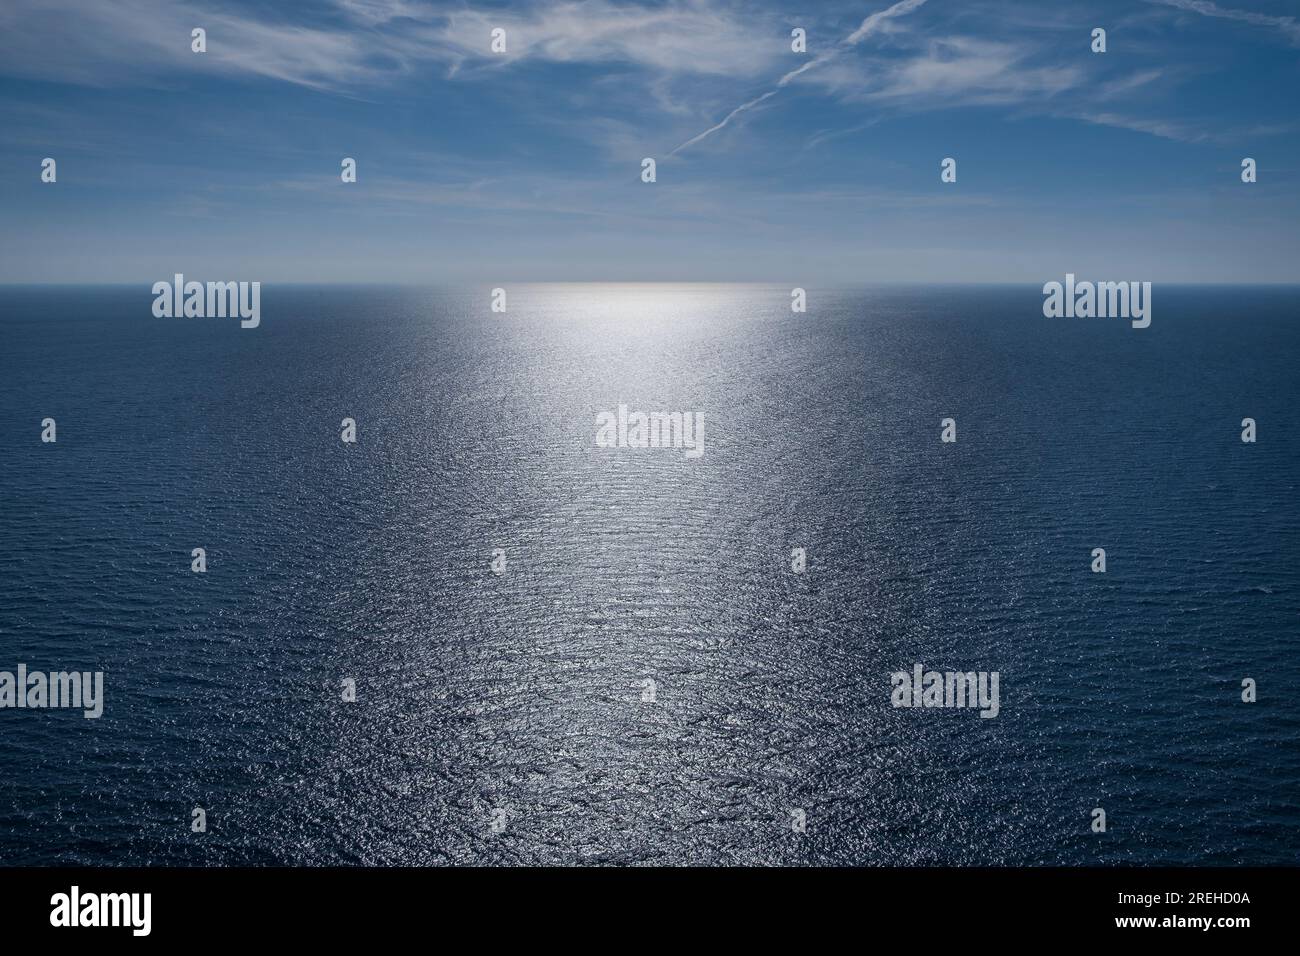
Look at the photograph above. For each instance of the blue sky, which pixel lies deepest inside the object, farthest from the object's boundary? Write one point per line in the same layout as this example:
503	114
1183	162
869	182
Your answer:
481	167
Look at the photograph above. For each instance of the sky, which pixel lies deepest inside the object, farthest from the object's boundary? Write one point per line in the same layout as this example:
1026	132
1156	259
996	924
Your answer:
816	167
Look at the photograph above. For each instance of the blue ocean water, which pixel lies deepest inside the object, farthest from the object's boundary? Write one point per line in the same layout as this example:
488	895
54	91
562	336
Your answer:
518	697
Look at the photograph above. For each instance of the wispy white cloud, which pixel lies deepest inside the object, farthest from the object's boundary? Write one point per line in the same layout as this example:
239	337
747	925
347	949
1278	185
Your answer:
1289	27
687	54
932	74
968	70
128	41
826	135
370	41
1165	129
1183	132
683	37
382	11
1125	85
865	29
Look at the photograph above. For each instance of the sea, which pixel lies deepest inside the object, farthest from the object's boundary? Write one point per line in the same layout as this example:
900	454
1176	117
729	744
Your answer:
477	636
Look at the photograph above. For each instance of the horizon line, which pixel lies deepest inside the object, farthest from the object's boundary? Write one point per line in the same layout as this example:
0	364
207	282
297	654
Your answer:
335	283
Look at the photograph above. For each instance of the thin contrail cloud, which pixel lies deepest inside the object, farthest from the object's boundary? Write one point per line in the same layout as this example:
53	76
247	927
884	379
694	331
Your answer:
865	28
